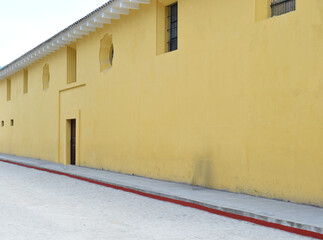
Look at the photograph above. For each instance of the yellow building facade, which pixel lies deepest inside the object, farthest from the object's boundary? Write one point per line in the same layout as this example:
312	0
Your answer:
238	106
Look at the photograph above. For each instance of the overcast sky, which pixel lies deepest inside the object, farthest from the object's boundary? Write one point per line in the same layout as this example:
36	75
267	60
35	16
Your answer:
24	24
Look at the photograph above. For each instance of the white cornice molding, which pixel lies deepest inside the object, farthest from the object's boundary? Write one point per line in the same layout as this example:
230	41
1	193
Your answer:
96	19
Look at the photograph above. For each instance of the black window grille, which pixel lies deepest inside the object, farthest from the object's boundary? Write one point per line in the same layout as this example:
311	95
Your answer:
279	7
172	44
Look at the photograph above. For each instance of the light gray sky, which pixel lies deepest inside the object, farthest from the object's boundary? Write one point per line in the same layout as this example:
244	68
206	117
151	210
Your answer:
24	24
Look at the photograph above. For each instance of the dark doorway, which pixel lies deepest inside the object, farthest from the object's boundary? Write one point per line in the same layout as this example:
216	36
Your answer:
73	137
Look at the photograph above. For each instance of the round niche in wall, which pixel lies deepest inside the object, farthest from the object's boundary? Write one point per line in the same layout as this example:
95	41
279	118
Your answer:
106	52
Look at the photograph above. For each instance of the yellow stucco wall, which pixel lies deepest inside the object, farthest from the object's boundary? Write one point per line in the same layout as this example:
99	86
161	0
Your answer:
239	106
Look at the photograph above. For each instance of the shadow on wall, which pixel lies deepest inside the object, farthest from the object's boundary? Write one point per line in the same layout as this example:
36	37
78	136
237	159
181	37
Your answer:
203	173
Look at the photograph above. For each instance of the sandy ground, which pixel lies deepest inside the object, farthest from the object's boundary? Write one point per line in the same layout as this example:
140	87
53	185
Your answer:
38	205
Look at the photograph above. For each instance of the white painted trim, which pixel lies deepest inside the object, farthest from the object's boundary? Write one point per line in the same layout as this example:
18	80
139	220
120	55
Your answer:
111	15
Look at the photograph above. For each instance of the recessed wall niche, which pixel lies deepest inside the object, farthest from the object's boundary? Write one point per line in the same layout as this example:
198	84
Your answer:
46	76
106	52
25	80
71	65
8	89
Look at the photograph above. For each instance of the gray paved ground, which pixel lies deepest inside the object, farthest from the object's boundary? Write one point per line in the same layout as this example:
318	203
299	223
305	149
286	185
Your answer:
289	214
37	205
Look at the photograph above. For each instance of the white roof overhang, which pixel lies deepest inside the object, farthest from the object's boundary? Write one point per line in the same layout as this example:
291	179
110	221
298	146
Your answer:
102	15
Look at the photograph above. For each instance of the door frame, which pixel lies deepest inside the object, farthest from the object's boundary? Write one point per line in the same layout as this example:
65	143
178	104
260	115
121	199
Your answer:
67	112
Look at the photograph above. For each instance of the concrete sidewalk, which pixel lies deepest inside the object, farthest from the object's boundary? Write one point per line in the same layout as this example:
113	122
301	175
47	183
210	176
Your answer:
297	218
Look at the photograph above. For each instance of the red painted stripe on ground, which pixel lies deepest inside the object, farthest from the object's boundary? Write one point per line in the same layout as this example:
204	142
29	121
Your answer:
183	203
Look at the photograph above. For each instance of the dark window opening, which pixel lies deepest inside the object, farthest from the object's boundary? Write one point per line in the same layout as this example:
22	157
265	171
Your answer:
11	122
173	20
111	54
279	7
2	123
73	141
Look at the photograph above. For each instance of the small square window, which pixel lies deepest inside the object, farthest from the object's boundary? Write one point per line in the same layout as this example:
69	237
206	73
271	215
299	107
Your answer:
279	7
271	8
11	122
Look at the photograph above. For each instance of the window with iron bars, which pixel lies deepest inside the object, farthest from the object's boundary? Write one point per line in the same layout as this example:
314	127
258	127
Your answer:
172	31
279	7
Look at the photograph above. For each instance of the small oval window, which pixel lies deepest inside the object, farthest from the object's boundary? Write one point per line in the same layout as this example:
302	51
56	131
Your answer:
106	52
